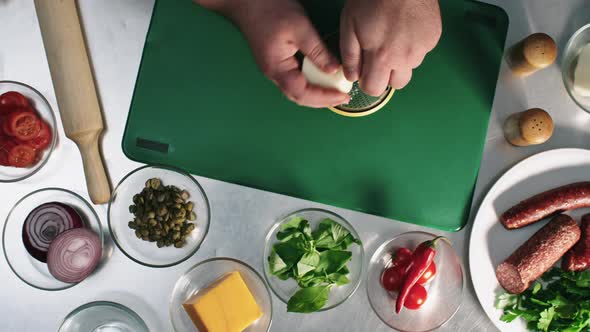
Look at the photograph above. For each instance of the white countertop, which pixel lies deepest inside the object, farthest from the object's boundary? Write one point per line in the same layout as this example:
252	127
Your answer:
115	32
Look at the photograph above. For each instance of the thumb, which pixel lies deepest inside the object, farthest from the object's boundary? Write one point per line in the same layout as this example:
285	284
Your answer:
312	46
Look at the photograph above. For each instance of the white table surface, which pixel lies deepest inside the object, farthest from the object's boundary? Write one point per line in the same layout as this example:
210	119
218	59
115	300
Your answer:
115	31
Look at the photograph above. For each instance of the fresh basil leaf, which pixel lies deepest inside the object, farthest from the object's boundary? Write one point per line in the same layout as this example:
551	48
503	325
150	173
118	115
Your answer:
293	223
539	302
309	299
545	319
276	264
583	279
338	279
509	315
332	261
344	270
558	301
308	262
291	250
566	311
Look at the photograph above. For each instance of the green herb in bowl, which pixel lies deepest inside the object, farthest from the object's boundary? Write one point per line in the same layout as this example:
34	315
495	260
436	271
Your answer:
316	259
560	302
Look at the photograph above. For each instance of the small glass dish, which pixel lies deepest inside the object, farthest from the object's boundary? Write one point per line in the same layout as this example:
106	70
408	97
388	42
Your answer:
44	111
144	252
570	59
206	272
445	291
103	316
284	289
31	271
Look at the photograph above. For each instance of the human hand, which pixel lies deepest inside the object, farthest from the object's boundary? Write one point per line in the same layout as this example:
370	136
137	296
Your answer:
381	41
276	30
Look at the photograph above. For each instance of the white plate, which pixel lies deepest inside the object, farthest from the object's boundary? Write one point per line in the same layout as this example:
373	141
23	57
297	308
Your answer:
490	243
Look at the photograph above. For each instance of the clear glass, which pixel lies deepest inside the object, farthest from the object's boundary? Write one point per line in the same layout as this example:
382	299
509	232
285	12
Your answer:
102	316
27	268
202	275
144	252
445	291
44	111
570	59
284	289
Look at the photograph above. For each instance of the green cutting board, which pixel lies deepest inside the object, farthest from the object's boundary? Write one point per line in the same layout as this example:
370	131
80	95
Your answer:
201	104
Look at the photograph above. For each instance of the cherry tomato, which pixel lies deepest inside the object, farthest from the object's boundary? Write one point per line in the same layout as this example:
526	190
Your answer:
392	278
402	257
14	99
43	139
416	297
21	155
24	125
428	274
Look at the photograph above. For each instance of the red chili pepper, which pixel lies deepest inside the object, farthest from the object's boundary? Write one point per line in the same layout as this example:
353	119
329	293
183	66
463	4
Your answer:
421	259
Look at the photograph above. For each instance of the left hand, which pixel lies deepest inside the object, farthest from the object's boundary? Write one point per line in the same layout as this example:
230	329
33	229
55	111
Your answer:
382	41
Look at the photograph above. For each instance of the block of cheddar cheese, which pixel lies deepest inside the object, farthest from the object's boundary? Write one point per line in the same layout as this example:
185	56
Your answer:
227	305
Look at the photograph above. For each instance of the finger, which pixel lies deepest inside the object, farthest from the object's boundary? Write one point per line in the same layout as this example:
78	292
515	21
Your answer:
312	46
350	50
375	73
399	78
296	88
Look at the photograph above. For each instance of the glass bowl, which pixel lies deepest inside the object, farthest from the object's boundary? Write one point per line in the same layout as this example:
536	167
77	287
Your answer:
284	289
103	316
144	252
27	268
202	275
44	111
445	291
570	59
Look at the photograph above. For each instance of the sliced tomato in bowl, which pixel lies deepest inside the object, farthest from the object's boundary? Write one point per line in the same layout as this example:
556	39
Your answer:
6	144
24	125
43	139
21	155
13	99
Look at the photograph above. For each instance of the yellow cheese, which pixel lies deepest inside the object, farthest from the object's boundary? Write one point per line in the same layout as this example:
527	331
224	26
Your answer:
225	306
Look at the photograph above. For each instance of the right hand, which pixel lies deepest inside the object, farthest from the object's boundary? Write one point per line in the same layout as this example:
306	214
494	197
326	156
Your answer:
276	30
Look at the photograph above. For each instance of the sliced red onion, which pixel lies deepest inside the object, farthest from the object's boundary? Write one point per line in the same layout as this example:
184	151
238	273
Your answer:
74	254
45	223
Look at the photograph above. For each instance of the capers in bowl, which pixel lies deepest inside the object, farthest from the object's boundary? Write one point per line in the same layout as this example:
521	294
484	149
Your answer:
162	214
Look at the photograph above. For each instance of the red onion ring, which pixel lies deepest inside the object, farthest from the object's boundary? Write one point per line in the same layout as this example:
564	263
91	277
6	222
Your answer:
45	223
74	254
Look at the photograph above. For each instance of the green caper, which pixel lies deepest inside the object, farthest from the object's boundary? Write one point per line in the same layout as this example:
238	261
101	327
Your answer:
138	234
160	243
155	183
180	213
148	183
132	225
152	222
177	228
192	216
178	200
145	232
189	228
189	206
162	210
176	235
179	221
132	208
185	195
151	214
177	206
179	244
145	238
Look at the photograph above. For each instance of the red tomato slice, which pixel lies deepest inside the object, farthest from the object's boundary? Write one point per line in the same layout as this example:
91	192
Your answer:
5	127
402	257
392	278
21	155
43	139
416	297
428	274
24	125
13	99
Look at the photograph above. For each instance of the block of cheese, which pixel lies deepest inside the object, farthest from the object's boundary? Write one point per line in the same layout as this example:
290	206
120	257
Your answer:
582	73
227	305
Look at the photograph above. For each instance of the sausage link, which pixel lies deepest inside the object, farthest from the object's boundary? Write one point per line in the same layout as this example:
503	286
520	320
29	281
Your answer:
578	257
538	254
568	197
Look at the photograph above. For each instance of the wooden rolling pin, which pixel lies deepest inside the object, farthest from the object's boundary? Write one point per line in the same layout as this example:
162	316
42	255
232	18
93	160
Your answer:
74	88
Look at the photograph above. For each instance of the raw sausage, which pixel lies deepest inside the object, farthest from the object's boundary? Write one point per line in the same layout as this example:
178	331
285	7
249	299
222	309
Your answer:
538	254
568	197
578	257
